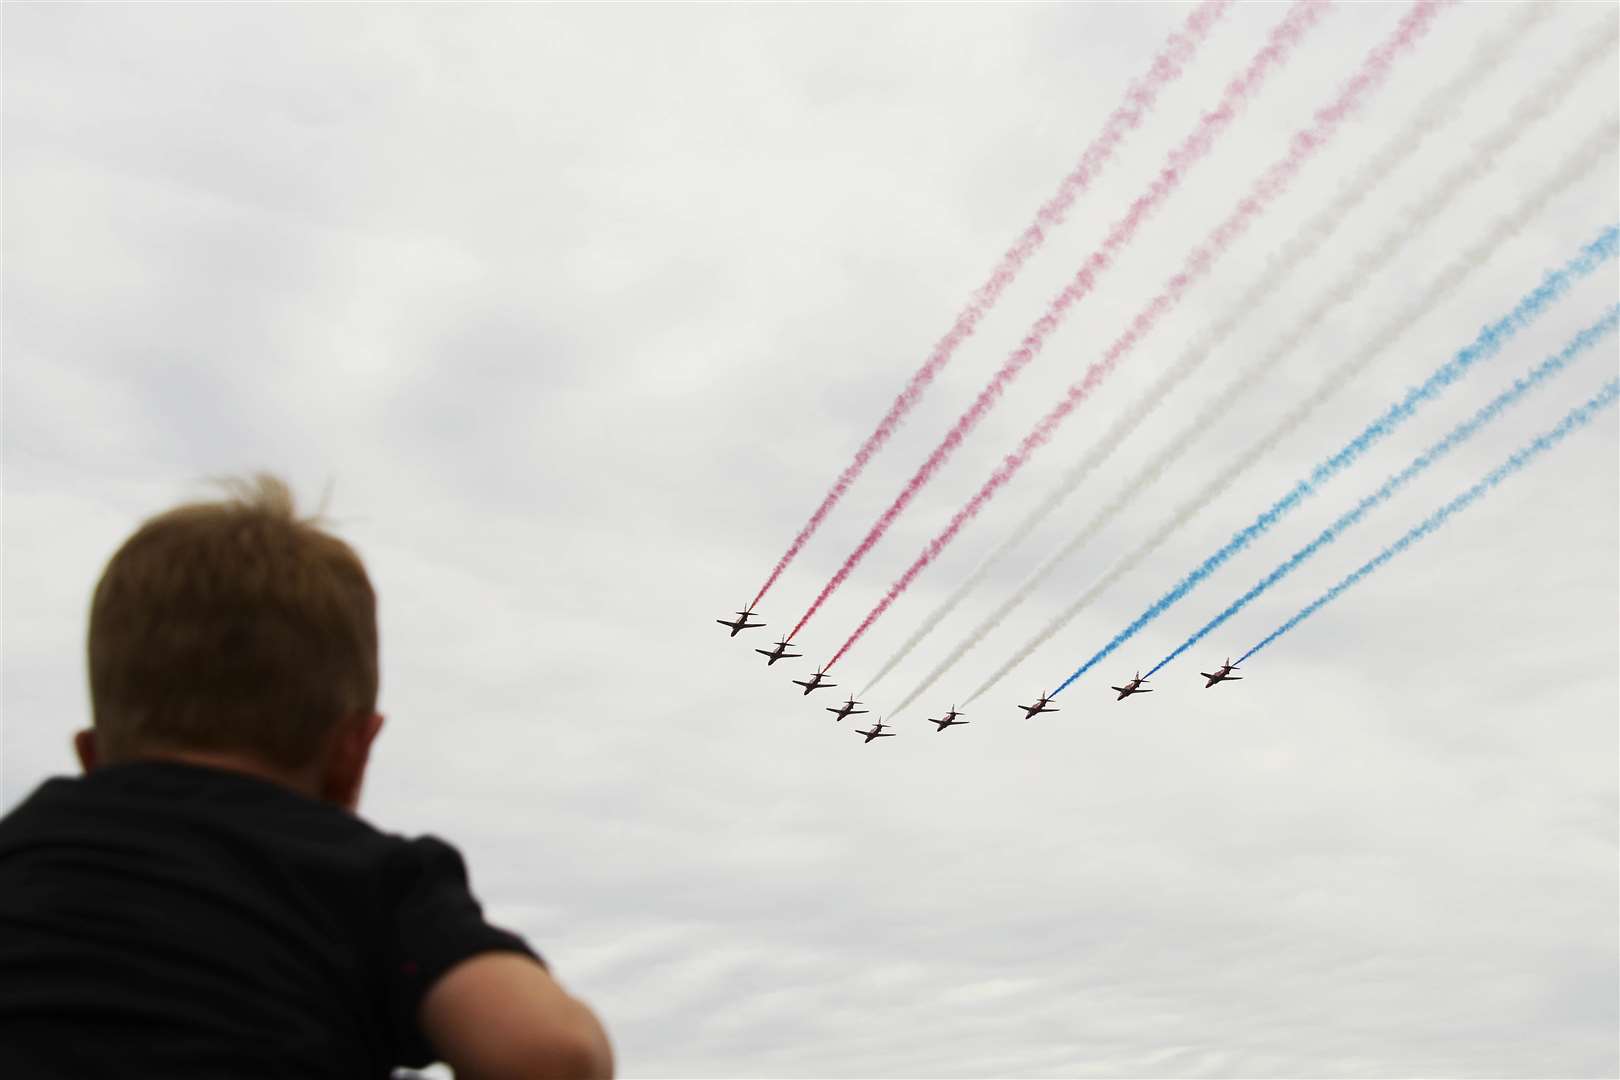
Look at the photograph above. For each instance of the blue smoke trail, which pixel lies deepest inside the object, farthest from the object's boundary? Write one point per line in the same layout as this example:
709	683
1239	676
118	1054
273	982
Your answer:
1487	344
1576	419
1549	367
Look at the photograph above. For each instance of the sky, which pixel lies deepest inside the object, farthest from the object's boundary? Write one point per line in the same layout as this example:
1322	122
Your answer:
574	313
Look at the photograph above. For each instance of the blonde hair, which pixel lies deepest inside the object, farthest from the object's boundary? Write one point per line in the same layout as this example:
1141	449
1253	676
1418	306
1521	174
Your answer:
231	625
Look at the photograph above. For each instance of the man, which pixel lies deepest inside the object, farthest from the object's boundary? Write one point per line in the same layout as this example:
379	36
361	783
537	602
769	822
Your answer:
204	902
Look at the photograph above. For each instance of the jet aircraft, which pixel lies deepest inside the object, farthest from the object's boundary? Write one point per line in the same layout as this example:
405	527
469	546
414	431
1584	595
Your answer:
1133	687
876	732
740	623
1221	674
778	652
847	709
1043	705
948	720
814	682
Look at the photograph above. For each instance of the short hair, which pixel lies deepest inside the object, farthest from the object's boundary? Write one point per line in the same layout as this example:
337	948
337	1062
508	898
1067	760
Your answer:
231	625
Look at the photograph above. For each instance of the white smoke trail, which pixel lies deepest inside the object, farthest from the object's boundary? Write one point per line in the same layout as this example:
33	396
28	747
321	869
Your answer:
1590	150
1431	115
1474	167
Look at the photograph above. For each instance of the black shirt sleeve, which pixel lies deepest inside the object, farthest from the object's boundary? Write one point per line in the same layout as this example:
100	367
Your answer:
437	924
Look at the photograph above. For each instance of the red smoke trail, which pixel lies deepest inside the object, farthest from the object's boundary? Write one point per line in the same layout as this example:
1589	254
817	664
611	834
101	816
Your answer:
1267	187
1303	15
1167	67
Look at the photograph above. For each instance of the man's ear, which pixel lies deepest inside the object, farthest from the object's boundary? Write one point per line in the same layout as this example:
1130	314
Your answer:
84	745
346	758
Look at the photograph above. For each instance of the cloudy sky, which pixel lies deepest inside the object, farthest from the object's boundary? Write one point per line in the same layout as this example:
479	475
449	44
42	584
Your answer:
579	310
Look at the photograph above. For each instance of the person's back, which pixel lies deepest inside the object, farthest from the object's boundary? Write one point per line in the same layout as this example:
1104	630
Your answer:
203	902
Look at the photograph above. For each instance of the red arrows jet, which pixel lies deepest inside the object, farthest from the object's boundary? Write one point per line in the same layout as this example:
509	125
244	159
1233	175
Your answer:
1222	674
740	623
877	732
1133	687
847	709
778	652
814	682
1043	705
948	720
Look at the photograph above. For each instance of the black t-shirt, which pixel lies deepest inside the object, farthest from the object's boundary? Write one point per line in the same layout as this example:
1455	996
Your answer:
161	919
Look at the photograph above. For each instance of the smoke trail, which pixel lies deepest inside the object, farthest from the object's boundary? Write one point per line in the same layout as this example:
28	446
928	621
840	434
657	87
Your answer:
1487	344
1301	17
1434	112
1578	418
1548	368
1178	51
1597	143
1273	182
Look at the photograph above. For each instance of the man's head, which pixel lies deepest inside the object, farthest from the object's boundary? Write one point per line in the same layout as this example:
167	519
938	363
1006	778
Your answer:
236	632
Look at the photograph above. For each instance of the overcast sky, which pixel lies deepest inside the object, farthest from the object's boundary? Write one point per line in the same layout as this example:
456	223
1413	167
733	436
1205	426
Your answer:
580	310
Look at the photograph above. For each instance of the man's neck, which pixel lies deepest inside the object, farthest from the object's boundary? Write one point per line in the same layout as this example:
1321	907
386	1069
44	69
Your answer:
302	781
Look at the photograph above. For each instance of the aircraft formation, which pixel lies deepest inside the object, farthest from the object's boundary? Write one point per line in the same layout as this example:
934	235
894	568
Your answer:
880	730
1331	261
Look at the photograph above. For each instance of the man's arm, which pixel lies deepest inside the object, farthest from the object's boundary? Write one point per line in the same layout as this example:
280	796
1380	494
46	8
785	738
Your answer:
501	1016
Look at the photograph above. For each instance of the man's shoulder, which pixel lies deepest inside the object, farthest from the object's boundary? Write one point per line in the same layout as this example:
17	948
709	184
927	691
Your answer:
160	803
194	874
